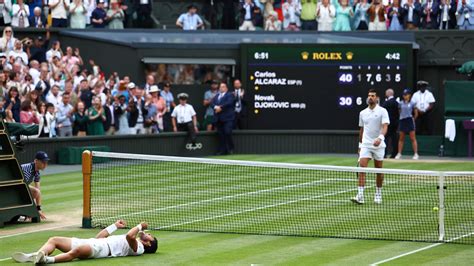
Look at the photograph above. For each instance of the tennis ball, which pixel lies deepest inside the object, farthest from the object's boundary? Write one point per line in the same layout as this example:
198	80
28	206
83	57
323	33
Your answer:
435	209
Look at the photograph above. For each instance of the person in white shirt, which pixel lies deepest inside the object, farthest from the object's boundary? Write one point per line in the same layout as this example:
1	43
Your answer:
373	123
325	14
104	245
291	15
54	96
190	20
59	9
20	14
55	51
184	118
424	103
18	53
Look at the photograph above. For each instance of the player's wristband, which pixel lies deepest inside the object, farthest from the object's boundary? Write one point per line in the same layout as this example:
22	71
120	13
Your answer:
111	229
360	145
140	228
38	207
381	137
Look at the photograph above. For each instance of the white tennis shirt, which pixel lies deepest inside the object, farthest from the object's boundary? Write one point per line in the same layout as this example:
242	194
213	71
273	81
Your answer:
372	120
119	246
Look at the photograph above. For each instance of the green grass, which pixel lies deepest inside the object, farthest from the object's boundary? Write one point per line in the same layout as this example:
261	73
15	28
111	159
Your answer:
63	192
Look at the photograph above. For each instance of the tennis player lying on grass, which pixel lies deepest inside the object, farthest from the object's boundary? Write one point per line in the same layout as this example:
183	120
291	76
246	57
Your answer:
134	243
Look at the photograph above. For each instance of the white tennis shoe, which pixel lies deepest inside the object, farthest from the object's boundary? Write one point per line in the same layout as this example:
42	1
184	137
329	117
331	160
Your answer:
23	257
398	156
378	198
416	156
359	199
40	258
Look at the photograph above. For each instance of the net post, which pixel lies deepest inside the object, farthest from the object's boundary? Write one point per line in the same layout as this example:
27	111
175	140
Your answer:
86	179
441	206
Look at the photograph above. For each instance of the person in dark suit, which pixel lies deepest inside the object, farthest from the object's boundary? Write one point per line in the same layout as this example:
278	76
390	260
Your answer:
391	105
240	106
411	13
38	20
430	15
224	115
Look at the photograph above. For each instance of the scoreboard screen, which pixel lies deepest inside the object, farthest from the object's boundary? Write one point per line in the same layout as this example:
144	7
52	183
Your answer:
319	86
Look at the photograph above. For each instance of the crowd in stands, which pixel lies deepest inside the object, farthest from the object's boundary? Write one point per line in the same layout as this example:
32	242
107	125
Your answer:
77	14
342	15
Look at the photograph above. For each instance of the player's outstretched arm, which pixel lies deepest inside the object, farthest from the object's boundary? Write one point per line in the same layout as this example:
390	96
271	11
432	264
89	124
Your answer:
111	229
132	235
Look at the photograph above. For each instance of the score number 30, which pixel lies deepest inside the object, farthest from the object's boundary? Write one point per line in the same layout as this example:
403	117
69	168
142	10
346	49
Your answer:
347	101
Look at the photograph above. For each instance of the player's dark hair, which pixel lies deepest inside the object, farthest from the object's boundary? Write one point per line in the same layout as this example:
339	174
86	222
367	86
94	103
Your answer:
373	91
152	247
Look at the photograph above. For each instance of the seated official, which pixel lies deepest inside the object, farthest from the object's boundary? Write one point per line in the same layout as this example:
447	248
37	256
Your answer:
184	118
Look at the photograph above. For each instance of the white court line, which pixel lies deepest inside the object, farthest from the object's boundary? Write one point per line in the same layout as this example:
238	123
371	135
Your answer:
5	259
259	208
38	230
420	249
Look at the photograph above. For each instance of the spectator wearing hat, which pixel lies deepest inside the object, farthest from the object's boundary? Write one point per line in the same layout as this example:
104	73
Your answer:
184	118
150	124
391	137
209	115
424	103
190	20
167	95
224	116
59	10
31	174
38	50
38	20
160	105
272	23
408	115
99	15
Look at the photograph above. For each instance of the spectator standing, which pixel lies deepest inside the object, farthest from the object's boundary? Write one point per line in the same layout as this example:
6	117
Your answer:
240	106
96	116
85	94
80	120
38	20
447	15
391	138
160	105
150	124
42	121
224	116
59	10
377	16
120	115
64	116
361	17
144	9
395	15
54	96
424	103
138	113
291	15
190	20
115	16
20	14
247	16
5	13
167	95
78	12
27	115
411	15
407	124
50	121
18	52
429	16
99	15
465	14
38	50
150	81
209	95
109	123
272	23
325	13
308	15
55	51
7	42
343	15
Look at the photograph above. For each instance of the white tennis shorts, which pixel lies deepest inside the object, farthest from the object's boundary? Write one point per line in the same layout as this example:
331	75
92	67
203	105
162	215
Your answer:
376	154
100	249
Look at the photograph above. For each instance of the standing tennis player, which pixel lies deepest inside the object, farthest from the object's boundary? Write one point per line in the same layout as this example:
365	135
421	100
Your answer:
373	123
104	245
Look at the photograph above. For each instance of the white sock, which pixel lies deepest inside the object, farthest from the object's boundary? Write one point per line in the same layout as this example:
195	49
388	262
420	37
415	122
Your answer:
50	260
361	191
378	191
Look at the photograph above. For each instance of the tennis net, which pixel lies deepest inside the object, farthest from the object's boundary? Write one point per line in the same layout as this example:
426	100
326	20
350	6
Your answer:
212	195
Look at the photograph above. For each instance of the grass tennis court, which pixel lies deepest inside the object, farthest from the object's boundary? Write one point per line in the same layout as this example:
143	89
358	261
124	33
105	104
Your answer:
63	198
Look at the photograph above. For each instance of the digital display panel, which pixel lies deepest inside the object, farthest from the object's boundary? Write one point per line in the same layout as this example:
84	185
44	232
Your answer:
320	86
